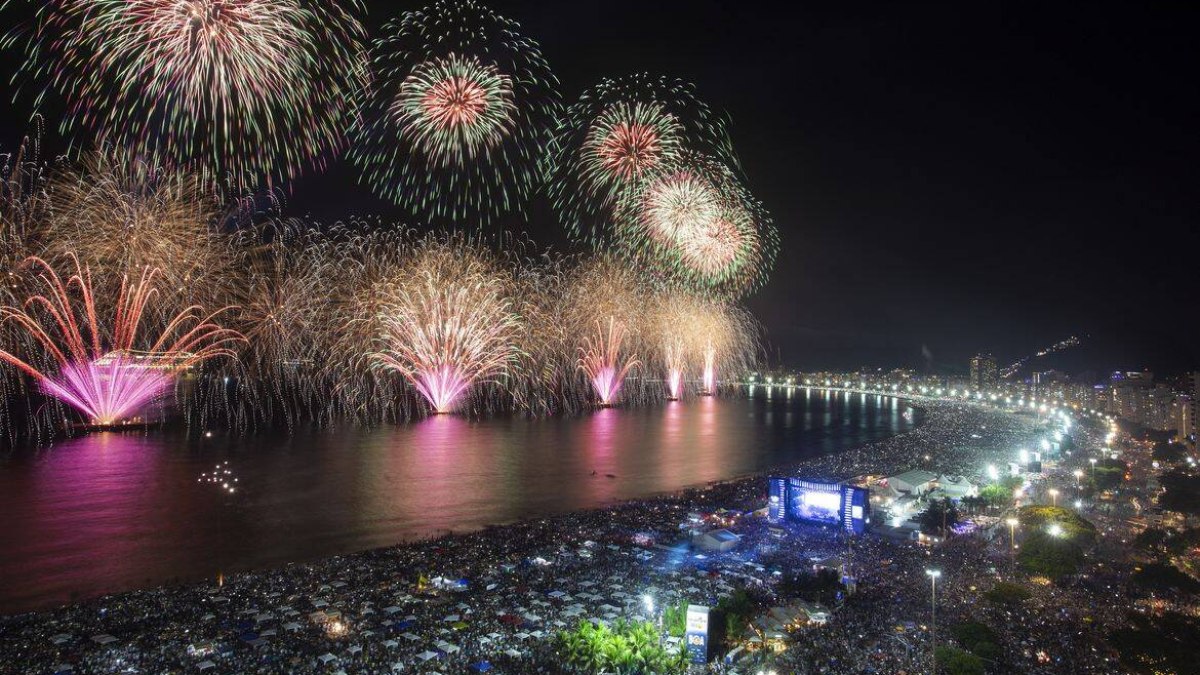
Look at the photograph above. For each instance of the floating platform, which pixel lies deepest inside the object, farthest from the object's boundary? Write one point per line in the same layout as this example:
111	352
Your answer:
89	427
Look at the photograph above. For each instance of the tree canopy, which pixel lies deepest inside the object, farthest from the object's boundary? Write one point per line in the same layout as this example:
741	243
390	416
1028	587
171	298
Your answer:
632	648
941	515
1182	493
958	662
1007	593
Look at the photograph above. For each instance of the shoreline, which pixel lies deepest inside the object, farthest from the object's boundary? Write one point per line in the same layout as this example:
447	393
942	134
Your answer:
682	493
507	589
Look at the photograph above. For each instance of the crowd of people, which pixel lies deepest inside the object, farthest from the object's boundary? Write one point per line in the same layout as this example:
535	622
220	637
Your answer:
493	600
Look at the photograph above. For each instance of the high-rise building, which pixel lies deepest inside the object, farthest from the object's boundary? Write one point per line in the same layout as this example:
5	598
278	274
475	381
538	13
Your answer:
1184	411
983	371
1194	403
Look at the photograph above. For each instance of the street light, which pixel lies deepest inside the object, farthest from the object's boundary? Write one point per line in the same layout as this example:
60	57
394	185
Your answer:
1055	530
1092	461
933	577
1078	474
1053	496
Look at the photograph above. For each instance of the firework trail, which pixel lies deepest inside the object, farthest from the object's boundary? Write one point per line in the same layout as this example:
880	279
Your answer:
247	91
284	310
710	369
617	135
727	337
457	115
607	323
673	328
675	371
447	322
699	335
605	361
696	226
119	218
101	372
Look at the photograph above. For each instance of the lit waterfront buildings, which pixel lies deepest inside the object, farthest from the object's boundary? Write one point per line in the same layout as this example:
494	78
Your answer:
1134	396
983	372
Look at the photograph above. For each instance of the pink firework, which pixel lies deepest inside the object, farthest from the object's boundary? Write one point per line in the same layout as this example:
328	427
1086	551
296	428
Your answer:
601	359
710	369
442	386
447	323
100	371
675	383
455	102
629	149
674	357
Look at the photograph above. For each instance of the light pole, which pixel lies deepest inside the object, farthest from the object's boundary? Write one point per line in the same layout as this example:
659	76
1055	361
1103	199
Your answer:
933	577
1078	474
649	602
1054	496
1092	461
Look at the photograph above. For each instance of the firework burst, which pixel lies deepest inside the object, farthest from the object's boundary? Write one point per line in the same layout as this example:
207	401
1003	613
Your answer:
619	134
109	373
245	90
456	117
119	218
697	226
447	322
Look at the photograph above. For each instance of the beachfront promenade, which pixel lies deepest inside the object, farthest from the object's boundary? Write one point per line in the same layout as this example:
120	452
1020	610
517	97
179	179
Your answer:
495	598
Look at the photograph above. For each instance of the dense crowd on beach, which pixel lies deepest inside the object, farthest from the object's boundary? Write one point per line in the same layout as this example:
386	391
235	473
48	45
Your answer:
494	599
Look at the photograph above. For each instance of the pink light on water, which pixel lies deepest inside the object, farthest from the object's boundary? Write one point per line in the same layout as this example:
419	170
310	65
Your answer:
604	363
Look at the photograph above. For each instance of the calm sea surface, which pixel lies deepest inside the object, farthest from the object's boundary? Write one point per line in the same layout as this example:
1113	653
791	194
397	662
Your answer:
114	512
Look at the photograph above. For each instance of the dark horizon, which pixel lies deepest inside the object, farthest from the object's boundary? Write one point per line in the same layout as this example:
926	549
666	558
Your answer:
946	179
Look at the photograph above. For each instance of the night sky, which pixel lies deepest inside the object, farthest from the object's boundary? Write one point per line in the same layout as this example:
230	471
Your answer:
947	178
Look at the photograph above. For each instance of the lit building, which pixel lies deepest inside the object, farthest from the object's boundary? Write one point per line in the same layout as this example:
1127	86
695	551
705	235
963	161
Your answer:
983	371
